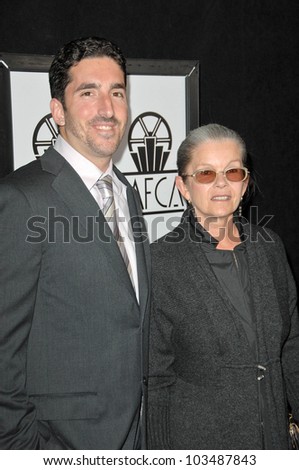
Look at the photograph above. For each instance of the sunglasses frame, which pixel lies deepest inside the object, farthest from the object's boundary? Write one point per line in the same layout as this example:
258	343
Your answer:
247	173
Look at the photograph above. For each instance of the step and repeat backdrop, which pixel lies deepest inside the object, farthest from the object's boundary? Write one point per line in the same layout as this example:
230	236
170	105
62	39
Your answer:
164	104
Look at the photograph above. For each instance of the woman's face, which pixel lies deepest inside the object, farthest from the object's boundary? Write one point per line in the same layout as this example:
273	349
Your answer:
218	199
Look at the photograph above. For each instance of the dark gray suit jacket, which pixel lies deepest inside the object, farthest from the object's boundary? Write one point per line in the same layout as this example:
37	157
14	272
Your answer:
73	338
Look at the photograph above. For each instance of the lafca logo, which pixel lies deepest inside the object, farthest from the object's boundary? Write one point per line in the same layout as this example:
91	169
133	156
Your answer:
150	142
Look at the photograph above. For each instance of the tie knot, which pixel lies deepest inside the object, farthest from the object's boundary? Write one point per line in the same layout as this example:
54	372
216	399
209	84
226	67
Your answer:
104	185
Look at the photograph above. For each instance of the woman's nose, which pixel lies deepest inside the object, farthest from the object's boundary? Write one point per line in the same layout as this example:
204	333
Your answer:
220	179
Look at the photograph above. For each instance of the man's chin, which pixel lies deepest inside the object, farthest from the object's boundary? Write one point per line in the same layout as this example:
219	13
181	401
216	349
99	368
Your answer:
107	145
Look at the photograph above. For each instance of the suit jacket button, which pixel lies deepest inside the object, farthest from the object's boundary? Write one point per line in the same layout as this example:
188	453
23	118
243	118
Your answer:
144	380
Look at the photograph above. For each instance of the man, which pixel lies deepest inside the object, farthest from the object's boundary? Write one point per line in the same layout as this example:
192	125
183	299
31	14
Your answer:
74	283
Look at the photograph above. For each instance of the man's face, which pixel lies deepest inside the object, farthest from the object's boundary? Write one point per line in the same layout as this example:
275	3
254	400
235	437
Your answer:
95	114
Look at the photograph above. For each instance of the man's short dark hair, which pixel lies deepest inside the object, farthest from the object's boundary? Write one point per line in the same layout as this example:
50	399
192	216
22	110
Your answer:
72	53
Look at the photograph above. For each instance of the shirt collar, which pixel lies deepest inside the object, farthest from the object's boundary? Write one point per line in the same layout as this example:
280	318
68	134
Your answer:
87	170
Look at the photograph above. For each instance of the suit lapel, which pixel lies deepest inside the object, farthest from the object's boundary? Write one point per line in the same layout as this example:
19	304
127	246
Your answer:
71	189
141	244
139	234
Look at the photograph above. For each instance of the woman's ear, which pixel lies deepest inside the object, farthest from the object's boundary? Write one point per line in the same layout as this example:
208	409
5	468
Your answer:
182	188
245	185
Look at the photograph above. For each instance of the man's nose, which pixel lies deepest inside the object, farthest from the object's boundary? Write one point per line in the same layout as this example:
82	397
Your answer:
105	106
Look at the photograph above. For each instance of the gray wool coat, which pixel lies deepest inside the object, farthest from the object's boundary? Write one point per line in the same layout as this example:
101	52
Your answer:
204	382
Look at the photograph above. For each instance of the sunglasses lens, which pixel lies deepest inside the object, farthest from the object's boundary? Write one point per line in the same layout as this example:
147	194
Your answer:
205	176
232	174
235	174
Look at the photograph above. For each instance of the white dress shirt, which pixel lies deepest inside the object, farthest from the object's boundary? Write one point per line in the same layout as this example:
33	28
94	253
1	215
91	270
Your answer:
90	173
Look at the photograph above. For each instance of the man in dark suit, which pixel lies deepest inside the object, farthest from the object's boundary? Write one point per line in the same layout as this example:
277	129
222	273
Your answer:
75	272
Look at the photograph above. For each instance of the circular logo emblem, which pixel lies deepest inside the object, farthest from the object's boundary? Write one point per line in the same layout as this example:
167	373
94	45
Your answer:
45	134
149	142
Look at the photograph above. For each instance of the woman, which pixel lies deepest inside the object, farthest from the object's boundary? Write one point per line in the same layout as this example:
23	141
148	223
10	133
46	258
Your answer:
224	353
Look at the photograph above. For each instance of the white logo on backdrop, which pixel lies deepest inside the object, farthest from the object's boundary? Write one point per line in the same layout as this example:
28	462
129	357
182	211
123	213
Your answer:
44	135
150	142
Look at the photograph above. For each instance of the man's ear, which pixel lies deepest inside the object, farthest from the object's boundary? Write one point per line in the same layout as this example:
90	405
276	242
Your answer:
57	112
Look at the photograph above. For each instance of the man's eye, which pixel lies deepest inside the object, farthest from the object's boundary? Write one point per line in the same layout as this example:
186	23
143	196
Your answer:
86	93
118	94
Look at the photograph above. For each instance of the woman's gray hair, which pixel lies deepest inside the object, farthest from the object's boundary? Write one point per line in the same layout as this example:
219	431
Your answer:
204	134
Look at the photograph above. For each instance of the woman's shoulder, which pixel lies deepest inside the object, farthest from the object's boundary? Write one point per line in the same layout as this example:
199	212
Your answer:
262	233
173	239
264	237
170	240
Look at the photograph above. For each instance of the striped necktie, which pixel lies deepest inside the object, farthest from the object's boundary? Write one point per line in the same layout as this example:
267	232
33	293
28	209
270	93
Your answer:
104	185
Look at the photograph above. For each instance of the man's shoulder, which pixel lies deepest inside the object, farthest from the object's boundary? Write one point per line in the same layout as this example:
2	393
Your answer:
31	182
36	173
22	176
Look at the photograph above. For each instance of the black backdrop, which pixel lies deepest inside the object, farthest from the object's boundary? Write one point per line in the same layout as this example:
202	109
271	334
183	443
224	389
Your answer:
249	56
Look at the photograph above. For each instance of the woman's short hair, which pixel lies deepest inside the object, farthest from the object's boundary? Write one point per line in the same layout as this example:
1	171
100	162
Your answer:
214	132
204	134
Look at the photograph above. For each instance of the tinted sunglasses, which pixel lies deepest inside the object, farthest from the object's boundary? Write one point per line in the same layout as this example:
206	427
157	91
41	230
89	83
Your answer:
235	175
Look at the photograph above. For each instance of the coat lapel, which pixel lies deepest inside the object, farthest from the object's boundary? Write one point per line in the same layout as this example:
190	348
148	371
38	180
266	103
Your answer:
223	314
266	305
